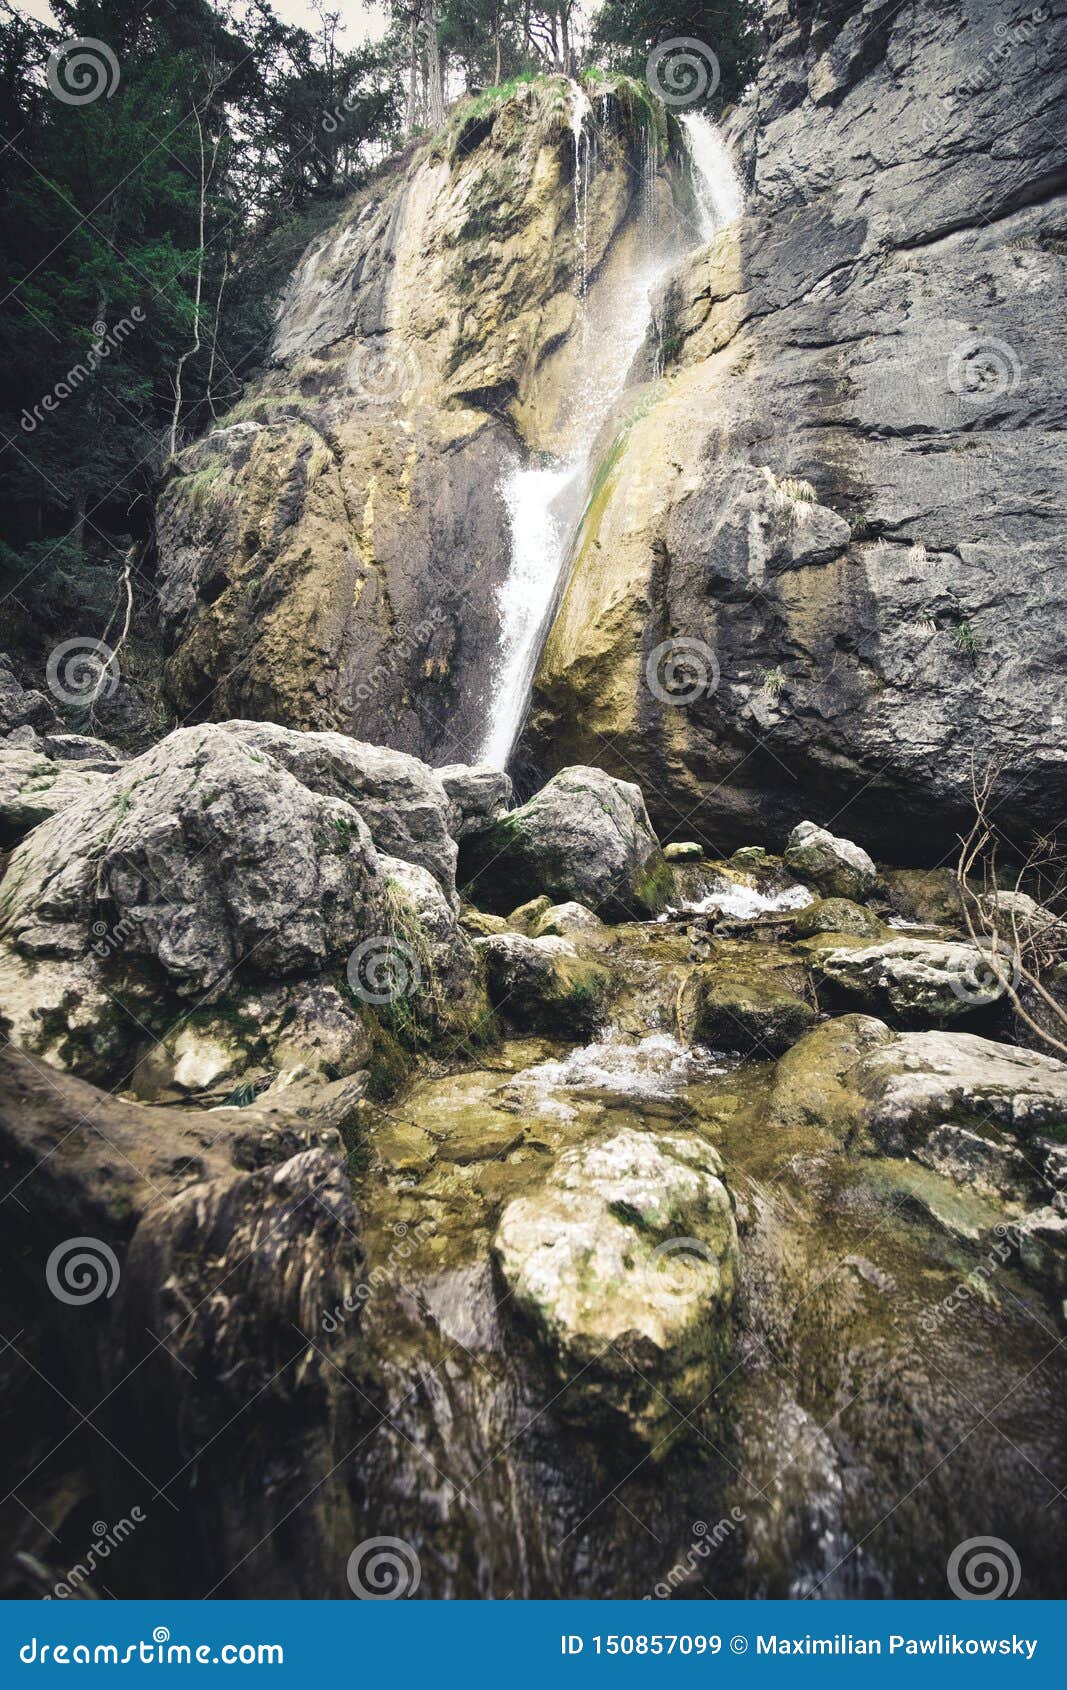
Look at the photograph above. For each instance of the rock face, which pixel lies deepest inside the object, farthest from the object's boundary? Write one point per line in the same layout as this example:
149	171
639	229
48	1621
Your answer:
626	1263
584	838
834	509
329	553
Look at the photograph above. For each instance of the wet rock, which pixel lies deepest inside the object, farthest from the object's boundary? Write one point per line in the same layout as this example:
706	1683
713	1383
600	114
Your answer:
625	1263
837	867
928	896
560	919
543	985
478	796
971	1108
757	1015
684	851
524	918
836	915
917	981
585	837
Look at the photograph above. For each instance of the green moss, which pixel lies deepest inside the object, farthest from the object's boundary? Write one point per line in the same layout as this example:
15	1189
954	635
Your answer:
654	888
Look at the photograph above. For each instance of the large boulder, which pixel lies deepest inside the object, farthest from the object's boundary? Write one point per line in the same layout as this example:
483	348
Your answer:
584	838
755	1013
543	985
204	857
478	796
837	867
405	805
915	980
625	1263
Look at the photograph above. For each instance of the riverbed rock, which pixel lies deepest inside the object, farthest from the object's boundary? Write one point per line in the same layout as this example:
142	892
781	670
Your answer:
625	1263
837	867
543	985
756	1014
836	915
971	1108
560	919
584	838
929	897
917	981
684	851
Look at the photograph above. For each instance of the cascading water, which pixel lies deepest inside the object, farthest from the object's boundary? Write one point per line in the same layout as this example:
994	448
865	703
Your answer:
544	500
715	181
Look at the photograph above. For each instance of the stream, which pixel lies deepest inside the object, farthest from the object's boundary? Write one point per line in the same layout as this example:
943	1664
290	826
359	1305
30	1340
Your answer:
867	1408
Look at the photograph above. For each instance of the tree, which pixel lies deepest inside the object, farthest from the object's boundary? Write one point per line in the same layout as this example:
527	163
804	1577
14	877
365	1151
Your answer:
626	31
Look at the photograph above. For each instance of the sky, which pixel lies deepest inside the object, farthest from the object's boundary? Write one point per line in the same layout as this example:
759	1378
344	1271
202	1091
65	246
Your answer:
363	23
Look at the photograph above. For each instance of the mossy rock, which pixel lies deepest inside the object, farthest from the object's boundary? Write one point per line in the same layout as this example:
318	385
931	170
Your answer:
836	915
543	986
753	1016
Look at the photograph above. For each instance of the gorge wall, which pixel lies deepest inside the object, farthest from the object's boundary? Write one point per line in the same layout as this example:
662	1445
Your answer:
330	552
820	560
825	566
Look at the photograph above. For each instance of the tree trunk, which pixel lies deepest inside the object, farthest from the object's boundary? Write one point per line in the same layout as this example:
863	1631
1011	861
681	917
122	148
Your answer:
435	93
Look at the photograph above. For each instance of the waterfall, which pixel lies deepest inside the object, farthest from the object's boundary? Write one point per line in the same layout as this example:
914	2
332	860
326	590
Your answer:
715	180
545	499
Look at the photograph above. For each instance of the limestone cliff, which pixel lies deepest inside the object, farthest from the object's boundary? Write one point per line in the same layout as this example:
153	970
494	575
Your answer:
824	564
329	553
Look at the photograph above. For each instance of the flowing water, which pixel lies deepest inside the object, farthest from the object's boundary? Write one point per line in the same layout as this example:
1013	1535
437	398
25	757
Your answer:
870	1416
545	498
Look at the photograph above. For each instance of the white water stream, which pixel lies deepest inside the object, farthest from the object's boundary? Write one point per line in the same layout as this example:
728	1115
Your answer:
545	500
